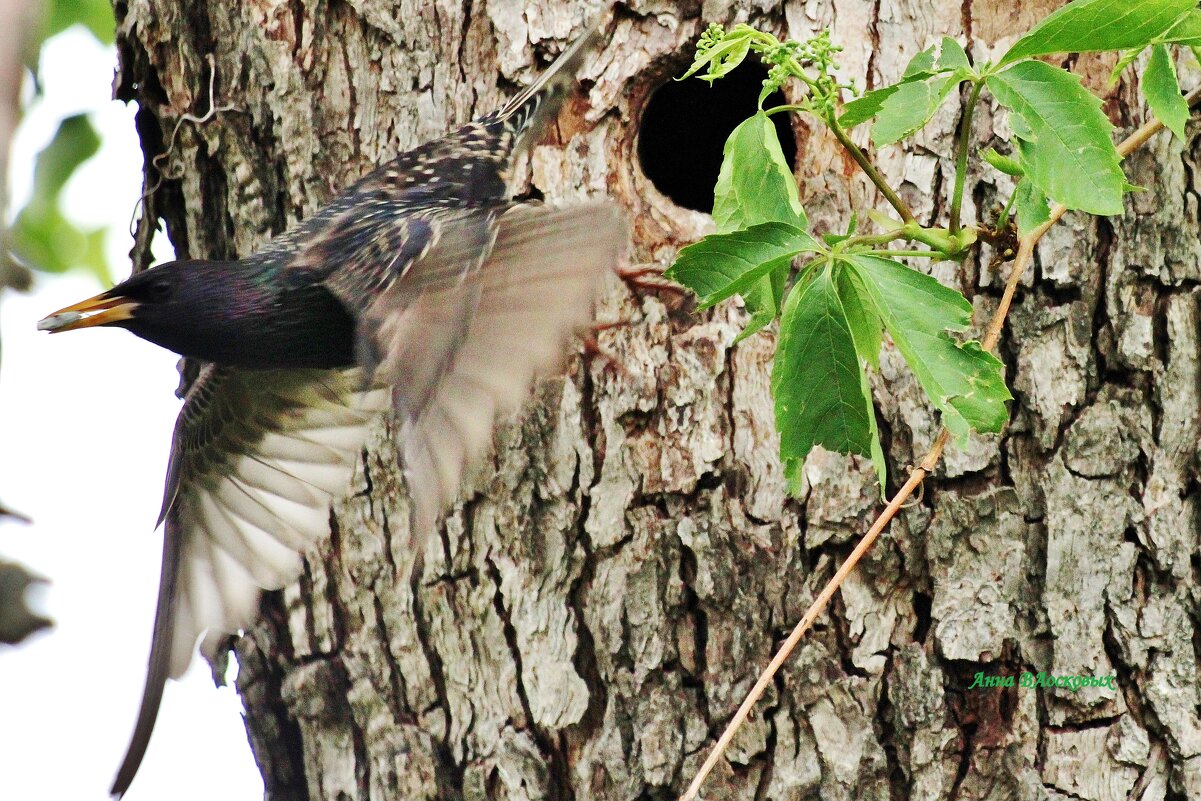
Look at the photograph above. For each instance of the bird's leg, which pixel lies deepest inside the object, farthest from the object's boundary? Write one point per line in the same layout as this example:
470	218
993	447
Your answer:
592	348
642	278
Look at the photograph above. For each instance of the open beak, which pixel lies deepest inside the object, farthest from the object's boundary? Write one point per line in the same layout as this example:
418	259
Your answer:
103	309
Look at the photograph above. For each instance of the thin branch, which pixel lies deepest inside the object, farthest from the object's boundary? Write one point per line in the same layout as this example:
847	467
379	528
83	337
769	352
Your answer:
870	170
914	254
925	467
961	149
818	606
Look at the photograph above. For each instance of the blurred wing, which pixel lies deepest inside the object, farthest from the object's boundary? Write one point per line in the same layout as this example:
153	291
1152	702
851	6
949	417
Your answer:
460	344
383	220
256	458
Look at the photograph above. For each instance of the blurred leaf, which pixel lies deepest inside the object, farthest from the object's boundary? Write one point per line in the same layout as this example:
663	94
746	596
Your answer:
75	142
53	244
95	15
41	234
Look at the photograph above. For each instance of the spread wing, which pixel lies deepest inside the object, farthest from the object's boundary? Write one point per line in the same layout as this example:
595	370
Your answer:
462	332
256	458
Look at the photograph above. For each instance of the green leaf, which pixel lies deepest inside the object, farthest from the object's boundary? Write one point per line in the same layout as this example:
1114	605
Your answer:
935	60
750	279
1125	60
884	221
921	64
763	300
877	452
721	265
866	106
1064	140
866	326
755	185
1186	32
953	57
910	108
1030	206
1090	25
817	380
50	242
963	381
723	56
1004	164
74	142
1162	90
95	15
40	232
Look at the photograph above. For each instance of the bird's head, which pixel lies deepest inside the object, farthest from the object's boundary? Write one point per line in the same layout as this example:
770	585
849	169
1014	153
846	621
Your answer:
171	305
222	312
147	295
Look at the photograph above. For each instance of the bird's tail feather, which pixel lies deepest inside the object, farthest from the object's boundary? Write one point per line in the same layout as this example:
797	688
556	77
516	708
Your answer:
536	105
161	648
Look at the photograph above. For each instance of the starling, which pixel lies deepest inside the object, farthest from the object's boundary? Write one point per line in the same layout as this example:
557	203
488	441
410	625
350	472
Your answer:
423	288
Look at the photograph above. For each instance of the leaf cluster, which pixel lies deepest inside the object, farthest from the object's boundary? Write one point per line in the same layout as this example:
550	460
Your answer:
836	296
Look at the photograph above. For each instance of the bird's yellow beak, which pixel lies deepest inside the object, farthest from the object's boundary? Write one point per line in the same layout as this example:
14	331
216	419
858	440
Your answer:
103	309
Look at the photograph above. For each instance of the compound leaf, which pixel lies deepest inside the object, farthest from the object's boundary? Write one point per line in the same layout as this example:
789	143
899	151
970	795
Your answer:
1065	141
721	265
962	380
1090	25
818	383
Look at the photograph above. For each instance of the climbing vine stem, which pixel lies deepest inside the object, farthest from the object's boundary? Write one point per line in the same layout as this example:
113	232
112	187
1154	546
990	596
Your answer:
870	170
961	151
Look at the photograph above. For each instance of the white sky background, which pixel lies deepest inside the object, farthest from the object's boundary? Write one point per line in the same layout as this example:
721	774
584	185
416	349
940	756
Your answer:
85	425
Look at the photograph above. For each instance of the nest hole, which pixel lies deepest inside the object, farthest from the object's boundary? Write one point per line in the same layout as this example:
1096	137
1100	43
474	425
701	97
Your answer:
685	126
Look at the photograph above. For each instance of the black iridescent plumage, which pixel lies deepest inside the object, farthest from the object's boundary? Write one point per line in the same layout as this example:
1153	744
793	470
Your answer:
422	288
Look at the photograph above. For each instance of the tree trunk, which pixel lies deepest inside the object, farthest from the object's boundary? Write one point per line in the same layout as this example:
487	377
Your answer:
624	564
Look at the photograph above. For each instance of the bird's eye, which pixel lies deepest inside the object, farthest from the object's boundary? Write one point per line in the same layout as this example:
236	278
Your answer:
158	291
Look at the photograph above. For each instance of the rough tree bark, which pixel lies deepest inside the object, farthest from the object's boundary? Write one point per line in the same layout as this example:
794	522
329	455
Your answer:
623	565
